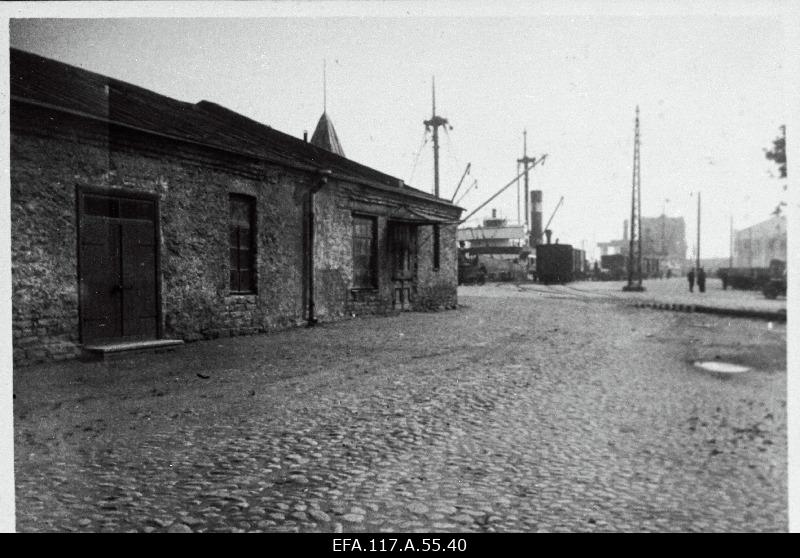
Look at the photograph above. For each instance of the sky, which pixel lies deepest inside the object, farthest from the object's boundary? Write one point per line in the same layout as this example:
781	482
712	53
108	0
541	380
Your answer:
709	85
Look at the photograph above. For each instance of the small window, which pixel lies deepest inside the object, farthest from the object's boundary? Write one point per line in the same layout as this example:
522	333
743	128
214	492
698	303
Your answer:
242	244
436	247
100	206
364	252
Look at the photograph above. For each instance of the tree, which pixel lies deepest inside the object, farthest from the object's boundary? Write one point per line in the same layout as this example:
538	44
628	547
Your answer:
778	155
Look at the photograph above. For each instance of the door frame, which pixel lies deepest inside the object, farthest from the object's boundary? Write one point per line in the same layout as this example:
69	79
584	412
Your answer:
80	191
413	228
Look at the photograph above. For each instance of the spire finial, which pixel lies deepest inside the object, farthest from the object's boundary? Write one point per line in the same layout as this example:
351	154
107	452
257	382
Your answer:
324	85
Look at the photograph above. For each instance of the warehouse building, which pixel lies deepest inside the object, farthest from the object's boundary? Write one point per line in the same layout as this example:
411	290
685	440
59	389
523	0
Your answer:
759	244
137	218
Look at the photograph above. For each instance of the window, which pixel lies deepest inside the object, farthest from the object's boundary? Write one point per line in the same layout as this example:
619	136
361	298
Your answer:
242	245
436	247
364	254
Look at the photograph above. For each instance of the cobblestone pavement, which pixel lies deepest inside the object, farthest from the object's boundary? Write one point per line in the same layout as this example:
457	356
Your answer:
670	291
509	414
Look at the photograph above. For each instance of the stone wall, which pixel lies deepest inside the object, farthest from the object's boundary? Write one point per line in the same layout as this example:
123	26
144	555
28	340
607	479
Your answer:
52	156
437	288
193	206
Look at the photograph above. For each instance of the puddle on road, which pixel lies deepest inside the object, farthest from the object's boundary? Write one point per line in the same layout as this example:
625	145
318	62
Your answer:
721	367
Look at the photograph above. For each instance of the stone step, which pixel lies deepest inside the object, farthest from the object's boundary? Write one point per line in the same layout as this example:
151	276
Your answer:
122	349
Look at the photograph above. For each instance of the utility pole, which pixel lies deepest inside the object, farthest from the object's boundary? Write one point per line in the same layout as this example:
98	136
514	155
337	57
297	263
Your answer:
434	123
698	230
519	217
635	248
730	261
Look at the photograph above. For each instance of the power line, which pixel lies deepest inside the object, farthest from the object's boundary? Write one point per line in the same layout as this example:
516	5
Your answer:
416	158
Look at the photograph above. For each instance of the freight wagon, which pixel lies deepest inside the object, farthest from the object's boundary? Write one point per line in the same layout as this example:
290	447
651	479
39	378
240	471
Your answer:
615	267
580	267
554	263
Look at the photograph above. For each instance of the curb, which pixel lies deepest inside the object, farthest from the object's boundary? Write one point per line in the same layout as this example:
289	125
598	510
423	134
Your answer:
735	312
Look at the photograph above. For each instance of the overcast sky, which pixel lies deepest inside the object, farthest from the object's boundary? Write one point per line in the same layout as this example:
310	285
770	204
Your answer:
710	90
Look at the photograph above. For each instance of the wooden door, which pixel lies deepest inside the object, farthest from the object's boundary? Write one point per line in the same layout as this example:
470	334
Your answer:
403	254
118	257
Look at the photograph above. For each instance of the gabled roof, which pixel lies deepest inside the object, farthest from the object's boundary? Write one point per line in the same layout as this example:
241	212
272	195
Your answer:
64	87
325	136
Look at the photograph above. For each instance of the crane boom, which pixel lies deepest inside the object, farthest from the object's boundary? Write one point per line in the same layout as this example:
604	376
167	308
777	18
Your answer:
503	189
554	213
460	182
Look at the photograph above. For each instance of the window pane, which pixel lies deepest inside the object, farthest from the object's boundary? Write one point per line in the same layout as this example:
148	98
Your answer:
364	261
244	260
244	237
242	243
137	209
100	206
245	280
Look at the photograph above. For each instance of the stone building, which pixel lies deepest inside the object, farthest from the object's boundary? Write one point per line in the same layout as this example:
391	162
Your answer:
758	245
663	239
136	217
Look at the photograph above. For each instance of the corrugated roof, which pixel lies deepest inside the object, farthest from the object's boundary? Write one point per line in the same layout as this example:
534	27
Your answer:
48	81
325	136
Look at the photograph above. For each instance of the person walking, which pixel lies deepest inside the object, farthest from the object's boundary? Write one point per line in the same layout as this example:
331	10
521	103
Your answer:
701	280
690	277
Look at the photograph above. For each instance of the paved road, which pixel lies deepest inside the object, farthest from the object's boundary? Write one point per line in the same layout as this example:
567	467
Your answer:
670	291
509	414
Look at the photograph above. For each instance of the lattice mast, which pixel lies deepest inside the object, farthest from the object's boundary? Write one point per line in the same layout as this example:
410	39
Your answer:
635	248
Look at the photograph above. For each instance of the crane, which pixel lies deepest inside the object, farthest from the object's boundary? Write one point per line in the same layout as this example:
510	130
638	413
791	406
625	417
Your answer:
554	212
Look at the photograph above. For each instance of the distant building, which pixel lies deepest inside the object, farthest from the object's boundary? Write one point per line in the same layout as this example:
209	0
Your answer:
755	246
663	238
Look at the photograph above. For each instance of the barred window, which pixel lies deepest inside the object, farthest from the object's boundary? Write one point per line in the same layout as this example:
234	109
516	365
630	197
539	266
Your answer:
364	252
242	243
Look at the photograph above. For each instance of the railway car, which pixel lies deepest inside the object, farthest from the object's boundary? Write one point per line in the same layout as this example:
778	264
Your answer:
615	266
579	264
554	263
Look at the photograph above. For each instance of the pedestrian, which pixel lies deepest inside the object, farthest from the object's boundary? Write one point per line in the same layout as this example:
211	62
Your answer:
701	280
690	277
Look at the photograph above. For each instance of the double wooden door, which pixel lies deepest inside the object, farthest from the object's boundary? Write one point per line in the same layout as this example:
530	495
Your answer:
118	267
403	251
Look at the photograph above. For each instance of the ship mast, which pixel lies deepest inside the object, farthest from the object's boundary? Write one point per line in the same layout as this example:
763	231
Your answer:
434	123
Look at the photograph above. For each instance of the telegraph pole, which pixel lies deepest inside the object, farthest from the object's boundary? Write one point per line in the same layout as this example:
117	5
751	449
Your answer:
698	230
635	248
519	218
434	124
730	261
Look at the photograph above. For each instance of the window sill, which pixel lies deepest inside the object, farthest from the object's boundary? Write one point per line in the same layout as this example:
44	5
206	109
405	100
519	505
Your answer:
242	294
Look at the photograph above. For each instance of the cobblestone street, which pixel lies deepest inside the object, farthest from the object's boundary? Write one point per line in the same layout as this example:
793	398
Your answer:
524	413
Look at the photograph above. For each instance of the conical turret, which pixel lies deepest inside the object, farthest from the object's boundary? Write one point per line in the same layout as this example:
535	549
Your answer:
325	136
